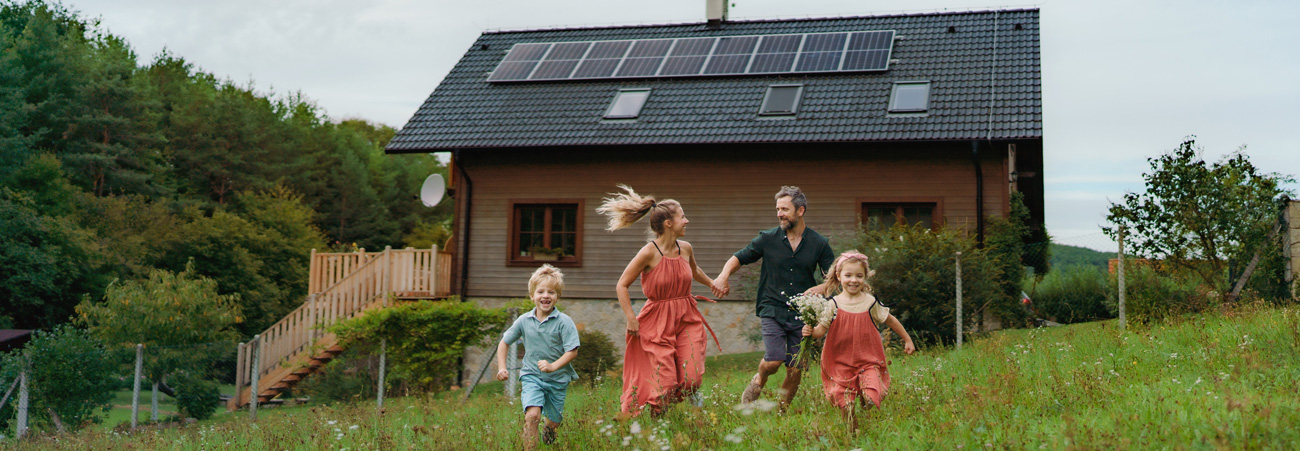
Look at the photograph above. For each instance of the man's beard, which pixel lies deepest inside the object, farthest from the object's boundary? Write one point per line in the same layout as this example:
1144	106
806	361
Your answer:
787	224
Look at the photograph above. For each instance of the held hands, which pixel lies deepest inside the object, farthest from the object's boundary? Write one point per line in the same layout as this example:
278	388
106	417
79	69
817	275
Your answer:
503	375
808	331
545	366
908	347
720	287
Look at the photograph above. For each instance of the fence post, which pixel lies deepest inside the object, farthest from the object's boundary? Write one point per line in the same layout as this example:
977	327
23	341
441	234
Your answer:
1119	274
135	391
383	355
257	370
383	344
959	318
512	361
22	399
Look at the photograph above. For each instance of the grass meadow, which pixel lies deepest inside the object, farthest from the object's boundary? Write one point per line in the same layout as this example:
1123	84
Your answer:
1222	380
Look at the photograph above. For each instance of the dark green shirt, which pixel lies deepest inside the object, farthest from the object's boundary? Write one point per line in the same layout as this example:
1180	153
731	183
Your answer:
785	272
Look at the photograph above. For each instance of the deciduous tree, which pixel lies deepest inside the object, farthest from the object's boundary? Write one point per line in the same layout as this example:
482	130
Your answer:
1206	219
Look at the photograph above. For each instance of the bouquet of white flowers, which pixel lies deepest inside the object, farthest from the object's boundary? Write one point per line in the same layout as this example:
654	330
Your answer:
813	310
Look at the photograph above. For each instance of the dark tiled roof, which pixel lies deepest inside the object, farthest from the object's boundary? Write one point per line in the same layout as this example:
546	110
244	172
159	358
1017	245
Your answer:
465	111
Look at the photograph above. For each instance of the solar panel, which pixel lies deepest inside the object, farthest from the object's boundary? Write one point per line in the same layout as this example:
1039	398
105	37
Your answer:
685	57
731	55
868	51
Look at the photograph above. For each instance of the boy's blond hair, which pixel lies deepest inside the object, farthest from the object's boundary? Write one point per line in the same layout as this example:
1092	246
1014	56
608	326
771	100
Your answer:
549	274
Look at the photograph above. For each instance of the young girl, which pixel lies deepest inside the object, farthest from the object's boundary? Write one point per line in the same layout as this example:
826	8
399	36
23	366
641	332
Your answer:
853	359
664	360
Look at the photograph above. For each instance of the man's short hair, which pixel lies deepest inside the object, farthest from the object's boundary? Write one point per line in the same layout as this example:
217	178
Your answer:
796	196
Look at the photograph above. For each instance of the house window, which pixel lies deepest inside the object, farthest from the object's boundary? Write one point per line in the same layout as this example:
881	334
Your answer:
884	215
546	231
781	100
627	104
910	97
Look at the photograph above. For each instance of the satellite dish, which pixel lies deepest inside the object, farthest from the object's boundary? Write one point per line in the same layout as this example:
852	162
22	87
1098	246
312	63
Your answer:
433	190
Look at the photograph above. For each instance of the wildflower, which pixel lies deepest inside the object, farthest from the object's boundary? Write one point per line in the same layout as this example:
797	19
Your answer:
636	428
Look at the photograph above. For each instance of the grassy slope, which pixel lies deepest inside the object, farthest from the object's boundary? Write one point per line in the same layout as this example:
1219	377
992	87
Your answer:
1223	380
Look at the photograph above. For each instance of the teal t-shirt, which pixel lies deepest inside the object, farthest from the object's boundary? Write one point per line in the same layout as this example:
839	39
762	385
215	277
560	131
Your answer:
548	340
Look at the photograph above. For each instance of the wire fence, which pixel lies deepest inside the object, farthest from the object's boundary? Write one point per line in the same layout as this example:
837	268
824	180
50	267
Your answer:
64	379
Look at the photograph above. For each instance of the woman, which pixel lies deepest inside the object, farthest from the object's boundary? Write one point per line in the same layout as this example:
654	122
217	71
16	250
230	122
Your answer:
664	360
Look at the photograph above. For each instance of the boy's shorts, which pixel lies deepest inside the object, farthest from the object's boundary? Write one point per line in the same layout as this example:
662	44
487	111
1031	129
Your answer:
540	393
781	340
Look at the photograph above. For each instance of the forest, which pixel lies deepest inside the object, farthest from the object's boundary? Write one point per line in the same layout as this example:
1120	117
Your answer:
113	166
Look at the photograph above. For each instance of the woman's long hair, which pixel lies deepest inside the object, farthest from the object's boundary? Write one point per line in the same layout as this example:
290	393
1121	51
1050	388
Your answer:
833	284
624	209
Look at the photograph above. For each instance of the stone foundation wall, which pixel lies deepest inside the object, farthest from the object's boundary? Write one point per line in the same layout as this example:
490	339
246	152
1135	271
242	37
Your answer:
733	321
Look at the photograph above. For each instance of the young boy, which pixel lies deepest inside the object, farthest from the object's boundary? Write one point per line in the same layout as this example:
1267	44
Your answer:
550	343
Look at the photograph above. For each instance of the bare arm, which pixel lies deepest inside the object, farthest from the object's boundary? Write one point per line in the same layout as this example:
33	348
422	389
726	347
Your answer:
897	327
696	273
502	372
633	270
819	290
548	367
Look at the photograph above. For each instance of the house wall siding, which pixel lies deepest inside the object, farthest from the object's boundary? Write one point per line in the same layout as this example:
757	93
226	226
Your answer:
727	197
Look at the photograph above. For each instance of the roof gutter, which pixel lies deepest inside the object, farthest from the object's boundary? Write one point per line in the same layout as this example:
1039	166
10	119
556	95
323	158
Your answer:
975	145
979	192
468	194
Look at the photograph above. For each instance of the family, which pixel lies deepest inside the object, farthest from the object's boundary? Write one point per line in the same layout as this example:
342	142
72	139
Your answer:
666	341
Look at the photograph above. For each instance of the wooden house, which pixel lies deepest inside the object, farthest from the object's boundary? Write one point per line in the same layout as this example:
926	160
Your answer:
933	118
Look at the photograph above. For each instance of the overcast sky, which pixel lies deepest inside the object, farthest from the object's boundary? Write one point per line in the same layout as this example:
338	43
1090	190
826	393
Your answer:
1122	80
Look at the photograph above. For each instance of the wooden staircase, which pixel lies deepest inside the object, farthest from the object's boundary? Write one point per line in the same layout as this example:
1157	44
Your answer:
341	286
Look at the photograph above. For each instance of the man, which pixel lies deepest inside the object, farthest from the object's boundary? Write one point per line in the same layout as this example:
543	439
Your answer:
791	254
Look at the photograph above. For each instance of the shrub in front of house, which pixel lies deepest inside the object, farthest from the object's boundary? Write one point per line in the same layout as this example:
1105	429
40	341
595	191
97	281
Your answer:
596	357
425	339
916	276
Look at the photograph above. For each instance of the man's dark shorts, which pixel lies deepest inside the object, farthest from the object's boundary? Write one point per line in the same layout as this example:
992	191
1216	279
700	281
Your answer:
781	340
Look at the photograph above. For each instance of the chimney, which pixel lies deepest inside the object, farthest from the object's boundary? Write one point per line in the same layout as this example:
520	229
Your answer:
716	11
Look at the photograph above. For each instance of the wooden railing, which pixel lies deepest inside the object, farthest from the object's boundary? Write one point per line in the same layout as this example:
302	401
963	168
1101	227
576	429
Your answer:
356	282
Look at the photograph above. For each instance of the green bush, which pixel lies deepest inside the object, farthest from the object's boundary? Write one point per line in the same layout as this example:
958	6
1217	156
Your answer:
1073	294
67	374
916	276
196	397
596	356
349	377
1152	295
426	339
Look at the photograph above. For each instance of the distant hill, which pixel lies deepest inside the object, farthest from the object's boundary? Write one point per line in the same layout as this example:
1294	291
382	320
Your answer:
1064	255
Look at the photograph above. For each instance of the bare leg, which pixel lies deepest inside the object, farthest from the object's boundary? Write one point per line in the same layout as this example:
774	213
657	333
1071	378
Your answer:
548	435
790	386
532	417
765	369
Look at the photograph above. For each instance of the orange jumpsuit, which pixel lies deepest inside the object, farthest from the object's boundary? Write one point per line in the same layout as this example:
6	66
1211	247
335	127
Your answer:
664	361
853	360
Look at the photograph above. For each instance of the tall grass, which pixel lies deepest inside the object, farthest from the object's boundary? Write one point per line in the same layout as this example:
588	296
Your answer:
1218	380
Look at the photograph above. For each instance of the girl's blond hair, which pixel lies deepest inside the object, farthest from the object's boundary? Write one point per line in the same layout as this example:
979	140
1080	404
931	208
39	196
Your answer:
624	209
548	274
833	284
